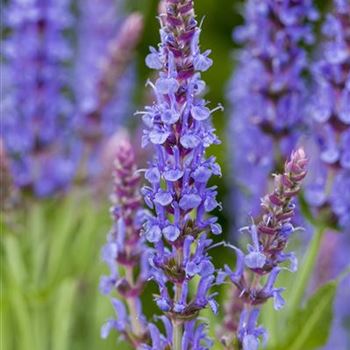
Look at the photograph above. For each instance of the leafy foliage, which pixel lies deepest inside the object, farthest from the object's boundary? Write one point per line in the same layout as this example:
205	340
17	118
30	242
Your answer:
309	327
52	271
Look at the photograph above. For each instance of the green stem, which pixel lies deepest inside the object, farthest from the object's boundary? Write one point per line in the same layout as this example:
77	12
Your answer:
177	326
36	227
306	269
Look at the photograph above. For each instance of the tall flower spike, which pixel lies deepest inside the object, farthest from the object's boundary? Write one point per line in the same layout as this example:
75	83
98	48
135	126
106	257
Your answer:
105	76
330	108
106	57
266	253
37	115
125	252
179	128
267	93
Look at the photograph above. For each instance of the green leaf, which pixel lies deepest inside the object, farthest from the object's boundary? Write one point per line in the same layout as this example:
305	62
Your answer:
6	318
309	328
63	315
36	230
39	316
85	234
62	232
305	271
15	264
305	209
22	320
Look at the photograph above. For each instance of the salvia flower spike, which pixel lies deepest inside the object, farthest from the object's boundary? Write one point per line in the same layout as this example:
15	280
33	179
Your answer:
178	126
37	115
267	93
125	252
105	77
330	109
266	256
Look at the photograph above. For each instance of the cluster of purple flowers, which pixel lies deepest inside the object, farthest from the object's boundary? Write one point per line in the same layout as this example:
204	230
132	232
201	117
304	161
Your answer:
330	110
36	110
267	93
266	253
54	129
179	128
125	252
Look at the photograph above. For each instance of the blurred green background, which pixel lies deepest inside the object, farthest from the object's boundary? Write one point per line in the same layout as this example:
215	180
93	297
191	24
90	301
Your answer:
50	252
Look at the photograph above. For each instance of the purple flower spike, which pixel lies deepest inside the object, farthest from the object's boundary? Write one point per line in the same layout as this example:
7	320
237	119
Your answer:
330	109
178	126
125	251
36	113
104	75
269	238
267	93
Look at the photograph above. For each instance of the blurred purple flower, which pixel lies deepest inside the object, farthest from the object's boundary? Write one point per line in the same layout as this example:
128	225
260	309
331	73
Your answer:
330	109
37	114
104	73
267	93
178	126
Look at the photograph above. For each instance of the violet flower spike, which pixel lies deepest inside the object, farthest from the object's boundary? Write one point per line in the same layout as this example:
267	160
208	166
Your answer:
179	128
125	251
36	115
105	74
329	188
266	253
267	93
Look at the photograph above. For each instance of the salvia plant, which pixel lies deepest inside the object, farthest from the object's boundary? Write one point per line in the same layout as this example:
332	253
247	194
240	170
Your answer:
36	112
266	254
174	277
267	93
54	127
125	250
330	110
179	128
104	76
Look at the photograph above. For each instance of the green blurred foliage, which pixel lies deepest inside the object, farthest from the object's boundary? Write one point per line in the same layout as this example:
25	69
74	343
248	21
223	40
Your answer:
50	268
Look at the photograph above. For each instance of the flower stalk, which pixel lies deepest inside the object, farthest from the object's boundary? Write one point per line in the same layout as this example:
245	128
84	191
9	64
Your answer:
179	128
125	252
267	93
37	113
113	65
266	253
329	182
